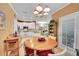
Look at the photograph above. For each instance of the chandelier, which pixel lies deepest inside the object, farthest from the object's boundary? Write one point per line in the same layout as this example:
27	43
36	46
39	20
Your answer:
40	11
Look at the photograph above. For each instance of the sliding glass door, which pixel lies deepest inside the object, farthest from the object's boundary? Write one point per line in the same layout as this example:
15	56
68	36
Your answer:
68	32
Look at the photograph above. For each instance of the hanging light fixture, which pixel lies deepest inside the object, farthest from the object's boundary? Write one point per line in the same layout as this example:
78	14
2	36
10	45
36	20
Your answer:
39	8
46	9
40	11
35	12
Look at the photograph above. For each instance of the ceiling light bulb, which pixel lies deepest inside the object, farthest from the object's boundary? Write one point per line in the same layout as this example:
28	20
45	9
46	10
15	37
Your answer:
45	14
46	9
40	14
35	12
39	8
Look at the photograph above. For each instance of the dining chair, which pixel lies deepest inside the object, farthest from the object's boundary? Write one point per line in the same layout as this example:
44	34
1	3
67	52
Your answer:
62	53
52	37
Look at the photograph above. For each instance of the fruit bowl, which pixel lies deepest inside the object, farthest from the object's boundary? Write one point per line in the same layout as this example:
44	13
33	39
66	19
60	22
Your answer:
41	39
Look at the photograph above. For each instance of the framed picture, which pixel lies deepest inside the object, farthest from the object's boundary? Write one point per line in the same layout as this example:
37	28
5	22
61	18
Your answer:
2	20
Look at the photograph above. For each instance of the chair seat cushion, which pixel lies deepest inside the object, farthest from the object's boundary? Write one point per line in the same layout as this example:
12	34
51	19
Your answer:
57	50
44	53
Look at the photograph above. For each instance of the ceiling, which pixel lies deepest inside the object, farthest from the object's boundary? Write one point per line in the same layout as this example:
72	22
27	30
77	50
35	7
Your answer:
24	11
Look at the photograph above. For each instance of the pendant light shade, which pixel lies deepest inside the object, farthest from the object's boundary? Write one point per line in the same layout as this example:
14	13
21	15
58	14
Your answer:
39	8
41	11
46	9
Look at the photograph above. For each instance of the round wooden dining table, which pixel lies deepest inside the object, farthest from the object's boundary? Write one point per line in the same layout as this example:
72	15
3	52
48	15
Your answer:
42	48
